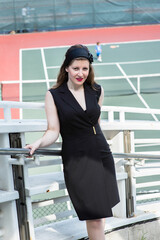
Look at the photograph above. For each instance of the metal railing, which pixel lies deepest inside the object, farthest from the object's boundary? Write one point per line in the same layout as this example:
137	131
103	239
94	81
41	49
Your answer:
128	160
25	152
8	105
130	165
52	152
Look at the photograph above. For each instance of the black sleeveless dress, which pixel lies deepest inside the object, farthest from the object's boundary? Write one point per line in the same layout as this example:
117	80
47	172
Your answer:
89	170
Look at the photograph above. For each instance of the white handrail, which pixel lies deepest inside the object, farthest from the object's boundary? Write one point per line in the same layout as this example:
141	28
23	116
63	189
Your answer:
31	105
130	109
24	105
8	105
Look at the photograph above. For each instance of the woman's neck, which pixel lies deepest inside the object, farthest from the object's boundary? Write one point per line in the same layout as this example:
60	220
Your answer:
74	87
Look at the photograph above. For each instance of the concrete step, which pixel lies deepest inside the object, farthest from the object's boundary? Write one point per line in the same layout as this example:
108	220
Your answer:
43	183
73	229
52	182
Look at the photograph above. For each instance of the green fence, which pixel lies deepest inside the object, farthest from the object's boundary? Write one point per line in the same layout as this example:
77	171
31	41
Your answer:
48	15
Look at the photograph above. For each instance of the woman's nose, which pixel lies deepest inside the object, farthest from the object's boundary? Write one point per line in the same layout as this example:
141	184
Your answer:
80	73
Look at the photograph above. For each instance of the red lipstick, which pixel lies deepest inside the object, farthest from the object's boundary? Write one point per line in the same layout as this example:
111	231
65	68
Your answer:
79	79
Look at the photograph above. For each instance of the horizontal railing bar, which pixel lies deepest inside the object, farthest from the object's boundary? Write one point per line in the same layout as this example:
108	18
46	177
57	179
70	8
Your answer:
147	173
149	165
136	155
44	163
16	151
145	140
147	196
25	105
28	81
6	196
147	145
42	203
148	184
33	105
130	110
12	151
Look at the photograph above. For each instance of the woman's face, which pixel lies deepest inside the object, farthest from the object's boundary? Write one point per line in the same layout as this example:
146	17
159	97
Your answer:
78	71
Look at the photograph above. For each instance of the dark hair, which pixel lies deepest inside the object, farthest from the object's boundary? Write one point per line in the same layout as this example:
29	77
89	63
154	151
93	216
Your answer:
79	52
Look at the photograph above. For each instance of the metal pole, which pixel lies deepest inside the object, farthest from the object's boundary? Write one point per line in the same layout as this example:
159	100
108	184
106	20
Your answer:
93	13
47	152
54	14
24	151
14	14
132	12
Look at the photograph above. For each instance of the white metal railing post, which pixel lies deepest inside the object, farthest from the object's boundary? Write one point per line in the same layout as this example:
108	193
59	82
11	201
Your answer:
122	116
131	188
110	116
117	145
28	202
7	113
130	169
8	205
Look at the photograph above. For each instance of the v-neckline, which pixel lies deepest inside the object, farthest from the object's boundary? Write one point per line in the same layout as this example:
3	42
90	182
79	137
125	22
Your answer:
85	98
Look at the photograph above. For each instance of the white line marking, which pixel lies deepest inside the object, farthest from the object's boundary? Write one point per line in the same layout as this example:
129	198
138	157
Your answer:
45	68
114	63
92	44
96	78
135	90
129	62
129	76
20	83
52	67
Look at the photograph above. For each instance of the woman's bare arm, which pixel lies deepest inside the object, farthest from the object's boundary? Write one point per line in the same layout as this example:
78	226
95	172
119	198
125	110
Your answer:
101	98
53	127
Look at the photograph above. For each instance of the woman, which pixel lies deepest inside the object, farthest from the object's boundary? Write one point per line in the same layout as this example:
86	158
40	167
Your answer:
73	109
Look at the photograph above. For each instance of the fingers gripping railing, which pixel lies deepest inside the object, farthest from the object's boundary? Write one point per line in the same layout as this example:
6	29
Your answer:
23	154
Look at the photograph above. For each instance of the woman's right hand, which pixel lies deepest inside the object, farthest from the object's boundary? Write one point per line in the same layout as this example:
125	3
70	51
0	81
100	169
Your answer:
33	146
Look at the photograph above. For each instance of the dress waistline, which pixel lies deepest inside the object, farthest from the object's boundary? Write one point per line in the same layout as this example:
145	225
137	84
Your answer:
93	130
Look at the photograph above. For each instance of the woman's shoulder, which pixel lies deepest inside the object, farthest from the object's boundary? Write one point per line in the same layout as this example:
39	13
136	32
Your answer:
56	89
52	90
98	89
95	89
97	86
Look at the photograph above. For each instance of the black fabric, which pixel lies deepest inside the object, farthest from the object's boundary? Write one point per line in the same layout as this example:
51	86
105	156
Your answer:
88	163
78	52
